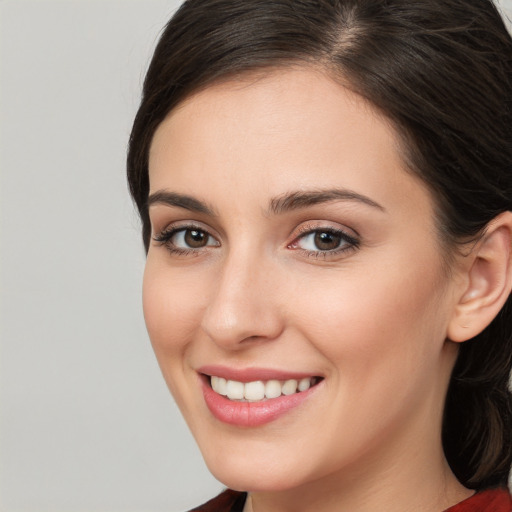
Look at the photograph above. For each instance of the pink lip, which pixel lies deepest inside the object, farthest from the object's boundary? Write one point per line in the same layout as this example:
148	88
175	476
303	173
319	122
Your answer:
251	414
251	374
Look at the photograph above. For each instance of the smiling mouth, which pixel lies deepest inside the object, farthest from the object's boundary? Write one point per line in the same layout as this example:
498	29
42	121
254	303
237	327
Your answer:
260	391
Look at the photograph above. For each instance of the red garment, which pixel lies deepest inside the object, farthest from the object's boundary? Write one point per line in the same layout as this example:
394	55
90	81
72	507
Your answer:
492	500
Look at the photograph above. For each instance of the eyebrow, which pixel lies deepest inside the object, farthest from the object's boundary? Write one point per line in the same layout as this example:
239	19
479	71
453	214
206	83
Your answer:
278	205
303	199
180	201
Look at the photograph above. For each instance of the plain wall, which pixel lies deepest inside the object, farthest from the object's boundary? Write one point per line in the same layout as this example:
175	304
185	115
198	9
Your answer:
86	422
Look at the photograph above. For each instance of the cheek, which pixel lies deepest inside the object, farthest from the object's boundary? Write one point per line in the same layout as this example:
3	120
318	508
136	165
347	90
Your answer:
171	309
381	323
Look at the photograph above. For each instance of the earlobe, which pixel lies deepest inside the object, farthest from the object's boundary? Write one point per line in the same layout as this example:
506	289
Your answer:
488	281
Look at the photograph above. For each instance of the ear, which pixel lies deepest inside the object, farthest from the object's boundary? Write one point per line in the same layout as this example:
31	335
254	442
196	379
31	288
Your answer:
487	281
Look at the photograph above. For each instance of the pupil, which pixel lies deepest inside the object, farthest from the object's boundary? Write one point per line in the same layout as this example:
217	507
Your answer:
327	241
195	238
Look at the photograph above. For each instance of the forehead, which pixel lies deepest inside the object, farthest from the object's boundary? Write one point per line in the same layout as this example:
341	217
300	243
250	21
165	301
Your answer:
289	128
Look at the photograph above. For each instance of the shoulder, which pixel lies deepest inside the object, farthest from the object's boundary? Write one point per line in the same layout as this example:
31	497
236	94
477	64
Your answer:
490	500
227	501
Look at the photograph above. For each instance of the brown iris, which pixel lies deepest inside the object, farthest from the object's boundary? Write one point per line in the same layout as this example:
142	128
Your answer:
195	238
327	241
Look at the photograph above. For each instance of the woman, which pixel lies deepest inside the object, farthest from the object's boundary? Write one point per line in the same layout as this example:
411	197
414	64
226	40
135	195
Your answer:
325	190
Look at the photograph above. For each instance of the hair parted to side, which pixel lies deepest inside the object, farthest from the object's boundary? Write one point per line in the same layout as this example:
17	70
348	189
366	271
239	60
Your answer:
441	71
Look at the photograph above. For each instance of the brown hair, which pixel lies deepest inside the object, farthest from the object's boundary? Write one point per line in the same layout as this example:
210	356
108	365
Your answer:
441	71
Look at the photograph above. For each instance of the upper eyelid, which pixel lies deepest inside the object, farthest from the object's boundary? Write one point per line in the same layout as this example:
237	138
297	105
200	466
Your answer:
183	225
319	225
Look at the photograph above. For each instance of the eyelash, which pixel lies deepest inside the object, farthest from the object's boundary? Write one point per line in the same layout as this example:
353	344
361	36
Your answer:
348	242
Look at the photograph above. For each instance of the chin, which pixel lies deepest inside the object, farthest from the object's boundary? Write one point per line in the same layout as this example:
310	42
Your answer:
250	477
257	466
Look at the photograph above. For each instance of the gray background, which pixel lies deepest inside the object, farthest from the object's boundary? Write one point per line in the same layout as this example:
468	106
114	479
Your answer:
86	422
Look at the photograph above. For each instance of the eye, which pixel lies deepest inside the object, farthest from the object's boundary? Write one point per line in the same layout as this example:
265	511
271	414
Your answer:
184	239
321	241
324	241
191	239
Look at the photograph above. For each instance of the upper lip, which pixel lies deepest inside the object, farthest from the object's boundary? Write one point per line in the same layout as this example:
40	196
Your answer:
253	373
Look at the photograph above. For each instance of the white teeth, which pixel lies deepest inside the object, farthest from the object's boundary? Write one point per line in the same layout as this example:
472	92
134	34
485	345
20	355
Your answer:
235	390
258	390
254	390
273	389
223	388
219	385
304	384
289	387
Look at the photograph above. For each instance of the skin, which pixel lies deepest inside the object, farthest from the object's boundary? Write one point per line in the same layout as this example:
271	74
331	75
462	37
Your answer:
372	320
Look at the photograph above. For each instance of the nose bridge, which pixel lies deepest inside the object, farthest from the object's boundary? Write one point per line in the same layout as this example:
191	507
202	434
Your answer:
241	306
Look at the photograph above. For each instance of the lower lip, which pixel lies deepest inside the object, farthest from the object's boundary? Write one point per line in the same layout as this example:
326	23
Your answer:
252	414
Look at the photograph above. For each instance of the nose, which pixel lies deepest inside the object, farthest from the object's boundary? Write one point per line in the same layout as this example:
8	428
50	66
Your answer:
243	305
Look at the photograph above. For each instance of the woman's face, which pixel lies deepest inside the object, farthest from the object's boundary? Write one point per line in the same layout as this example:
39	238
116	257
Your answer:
291	250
